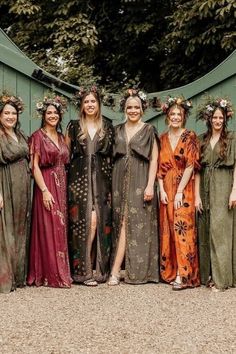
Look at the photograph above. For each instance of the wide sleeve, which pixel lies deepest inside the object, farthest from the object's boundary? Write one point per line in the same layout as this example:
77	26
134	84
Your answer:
72	129
35	144
193	152
106	145
142	145
2	159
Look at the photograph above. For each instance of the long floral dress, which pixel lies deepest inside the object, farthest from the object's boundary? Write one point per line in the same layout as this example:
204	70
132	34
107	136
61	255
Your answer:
216	229
89	188
49	261
15	215
129	180
178	238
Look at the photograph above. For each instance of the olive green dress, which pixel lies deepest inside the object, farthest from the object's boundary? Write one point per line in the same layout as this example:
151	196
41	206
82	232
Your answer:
15	215
129	180
216	230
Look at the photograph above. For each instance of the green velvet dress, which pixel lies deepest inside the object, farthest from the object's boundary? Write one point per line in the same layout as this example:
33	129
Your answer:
216	230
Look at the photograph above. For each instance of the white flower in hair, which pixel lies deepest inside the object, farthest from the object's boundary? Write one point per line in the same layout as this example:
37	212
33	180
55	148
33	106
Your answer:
209	108
39	105
142	95
223	103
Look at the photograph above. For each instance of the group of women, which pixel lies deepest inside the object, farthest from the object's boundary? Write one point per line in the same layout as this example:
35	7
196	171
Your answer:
95	209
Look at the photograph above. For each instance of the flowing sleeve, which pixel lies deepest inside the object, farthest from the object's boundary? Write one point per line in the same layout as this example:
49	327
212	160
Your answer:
35	144
107	145
164	160
2	159
72	129
193	152
143	145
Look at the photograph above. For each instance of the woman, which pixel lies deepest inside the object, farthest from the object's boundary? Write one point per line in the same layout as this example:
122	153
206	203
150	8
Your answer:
49	262
178	160
14	195
134	195
216	196
90	140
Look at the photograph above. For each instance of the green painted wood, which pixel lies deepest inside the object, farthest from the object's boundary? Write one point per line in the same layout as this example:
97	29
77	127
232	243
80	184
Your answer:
16	75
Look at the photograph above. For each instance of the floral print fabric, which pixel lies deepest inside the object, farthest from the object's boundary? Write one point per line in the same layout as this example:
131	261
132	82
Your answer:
129	180
178	241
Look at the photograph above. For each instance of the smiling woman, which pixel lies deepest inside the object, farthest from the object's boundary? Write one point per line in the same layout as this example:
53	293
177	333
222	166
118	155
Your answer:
134	196
178	162
14	195
90	139
216	196
49	263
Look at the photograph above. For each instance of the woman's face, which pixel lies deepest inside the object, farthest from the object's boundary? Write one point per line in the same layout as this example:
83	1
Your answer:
8	117
175	118
90	105
51	118
133	110
217	120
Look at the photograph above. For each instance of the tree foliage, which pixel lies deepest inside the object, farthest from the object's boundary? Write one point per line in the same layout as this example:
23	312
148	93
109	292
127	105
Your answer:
158	43
200	35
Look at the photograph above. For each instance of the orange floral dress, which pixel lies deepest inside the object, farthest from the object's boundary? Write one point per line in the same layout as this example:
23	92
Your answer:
178	241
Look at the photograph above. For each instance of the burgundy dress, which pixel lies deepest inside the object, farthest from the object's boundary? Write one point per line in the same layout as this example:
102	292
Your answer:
49	263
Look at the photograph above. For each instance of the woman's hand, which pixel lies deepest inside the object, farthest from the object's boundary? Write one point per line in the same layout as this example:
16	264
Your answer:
1	202
198	204
232	199
148	193
48	200
178	202
164	197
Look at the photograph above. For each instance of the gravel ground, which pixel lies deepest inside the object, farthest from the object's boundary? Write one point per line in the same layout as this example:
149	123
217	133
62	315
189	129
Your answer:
125	319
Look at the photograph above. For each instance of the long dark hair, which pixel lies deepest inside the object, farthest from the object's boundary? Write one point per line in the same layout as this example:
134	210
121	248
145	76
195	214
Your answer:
223	140
58	127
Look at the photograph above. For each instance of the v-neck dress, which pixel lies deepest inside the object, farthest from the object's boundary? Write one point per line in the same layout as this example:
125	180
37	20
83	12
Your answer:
49	261
129	180
178	237
15	215
217	224
89	188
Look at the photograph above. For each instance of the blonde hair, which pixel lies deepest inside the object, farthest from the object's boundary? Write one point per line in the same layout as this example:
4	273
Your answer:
138	100
98	117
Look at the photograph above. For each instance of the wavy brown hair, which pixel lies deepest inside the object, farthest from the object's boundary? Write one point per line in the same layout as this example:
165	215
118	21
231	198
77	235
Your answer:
223	140
182	112
17	126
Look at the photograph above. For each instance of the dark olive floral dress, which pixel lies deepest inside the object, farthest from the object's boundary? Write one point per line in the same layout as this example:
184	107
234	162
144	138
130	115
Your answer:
129	180
15	215
89	188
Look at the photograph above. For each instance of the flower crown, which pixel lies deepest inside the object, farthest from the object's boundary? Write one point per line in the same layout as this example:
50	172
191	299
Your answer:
16	101
84	91
206	110
132	92
51	98
179	101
